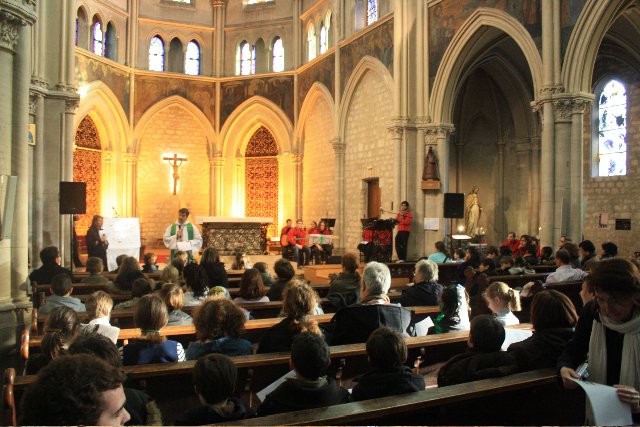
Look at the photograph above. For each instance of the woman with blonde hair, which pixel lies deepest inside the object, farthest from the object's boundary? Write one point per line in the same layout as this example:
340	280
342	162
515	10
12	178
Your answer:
299	303
173	297
503	301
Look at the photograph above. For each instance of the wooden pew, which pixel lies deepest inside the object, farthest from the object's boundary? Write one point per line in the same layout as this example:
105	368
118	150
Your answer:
537	401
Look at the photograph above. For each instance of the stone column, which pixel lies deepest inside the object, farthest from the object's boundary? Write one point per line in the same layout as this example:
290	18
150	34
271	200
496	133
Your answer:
534	207
37	228
499	207
339	149
459	144
576	219
296	163
523	171
130	182
396	133
217	170
218	50
562	109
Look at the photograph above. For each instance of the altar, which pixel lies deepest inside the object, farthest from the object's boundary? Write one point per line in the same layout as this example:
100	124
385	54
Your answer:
230	235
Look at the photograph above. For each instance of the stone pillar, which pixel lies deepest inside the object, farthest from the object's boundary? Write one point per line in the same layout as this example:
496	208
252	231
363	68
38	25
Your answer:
534	206
37	216
459	144
218	50
217	165
339	149
562	109
296	163
576	220
396	133
130	182
500	205
523	171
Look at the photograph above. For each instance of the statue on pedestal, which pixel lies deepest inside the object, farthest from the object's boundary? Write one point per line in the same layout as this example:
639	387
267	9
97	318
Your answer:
472	212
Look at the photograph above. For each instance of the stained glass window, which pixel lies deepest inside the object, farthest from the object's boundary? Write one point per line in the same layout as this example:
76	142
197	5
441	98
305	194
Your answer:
612	130
97	38
372	11
192	59
156	54
278	55
311	42
324	40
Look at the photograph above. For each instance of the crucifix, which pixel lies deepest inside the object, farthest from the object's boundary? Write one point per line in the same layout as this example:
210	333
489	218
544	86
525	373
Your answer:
175	163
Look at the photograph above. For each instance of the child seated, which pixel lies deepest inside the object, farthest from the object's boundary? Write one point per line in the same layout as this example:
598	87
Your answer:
215	378
95	268
150	265
389	376
311	387
454	311
484	359
61	289
502	301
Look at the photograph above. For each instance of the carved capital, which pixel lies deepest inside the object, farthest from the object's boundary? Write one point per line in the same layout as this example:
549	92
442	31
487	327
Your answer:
396	132
296	159
422	121
34	97
433	133
107	156
339	147
217	161
217	3
39	82
130	158
10	30
400	120
70	105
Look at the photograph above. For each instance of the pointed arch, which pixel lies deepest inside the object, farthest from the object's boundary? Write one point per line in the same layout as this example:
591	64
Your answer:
366	64
247	118
189	107
317	92
594	21
461	49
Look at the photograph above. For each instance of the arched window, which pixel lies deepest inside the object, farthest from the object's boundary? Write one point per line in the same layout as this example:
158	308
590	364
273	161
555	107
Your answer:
82	28
324	39
278	55
311	42
176	56
110	42
246	59
372	11
192	59
261	61
156	54
98	47
612	129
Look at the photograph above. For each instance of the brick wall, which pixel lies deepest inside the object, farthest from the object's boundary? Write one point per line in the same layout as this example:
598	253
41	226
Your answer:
369	151
619	196
319	168
172	130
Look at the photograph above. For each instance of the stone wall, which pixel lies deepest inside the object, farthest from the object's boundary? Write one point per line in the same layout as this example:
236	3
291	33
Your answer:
369	153
319	166
172	130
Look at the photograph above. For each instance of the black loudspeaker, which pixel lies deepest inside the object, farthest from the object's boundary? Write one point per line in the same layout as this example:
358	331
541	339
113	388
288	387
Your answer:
334	260
73	198
454	205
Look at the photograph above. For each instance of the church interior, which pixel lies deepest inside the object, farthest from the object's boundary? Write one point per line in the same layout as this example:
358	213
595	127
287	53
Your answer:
316	109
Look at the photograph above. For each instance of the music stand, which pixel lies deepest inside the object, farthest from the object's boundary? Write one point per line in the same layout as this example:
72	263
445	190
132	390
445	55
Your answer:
331	222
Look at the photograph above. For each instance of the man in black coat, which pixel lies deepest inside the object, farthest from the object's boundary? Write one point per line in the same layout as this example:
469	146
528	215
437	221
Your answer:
50	257
426	289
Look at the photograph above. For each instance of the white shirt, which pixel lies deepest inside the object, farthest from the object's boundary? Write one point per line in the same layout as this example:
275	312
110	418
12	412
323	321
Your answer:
171	241
566	273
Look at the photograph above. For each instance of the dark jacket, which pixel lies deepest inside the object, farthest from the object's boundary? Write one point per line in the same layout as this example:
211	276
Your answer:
422	293
224	345
44	274
277	338
348	286
296	395
542	349
474	365
95	246
216	274
275	290
588	262
355	323
137	405
202	415
379	383
124	282
140	352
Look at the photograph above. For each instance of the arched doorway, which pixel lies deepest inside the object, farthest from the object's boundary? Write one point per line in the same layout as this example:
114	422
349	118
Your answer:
87	167
261	178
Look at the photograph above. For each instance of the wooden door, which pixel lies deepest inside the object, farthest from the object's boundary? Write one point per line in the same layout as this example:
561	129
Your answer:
373	198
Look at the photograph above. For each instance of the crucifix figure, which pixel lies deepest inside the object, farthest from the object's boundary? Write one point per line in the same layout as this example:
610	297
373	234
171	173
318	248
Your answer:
175	163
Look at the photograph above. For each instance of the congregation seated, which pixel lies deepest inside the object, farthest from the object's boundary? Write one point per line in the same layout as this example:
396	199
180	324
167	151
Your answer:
488	267
387	354
173	297
60	328
344	289
531	257
219	324
546	256
214	380
61	289
553	317
503	301
471	259
149	263
425	290
458	255
355	323
140	287
525	243
483	359
311	387
574	254
267	280
240	261
53	398
95	268
511	243
150	316
214	268
169	274
99	305
608	250
299	303
521	266
197	285
492	254
455	311
440	255
128	272
50	257
179	260
119	260
284	272
588	252
565	271
251	288
141	408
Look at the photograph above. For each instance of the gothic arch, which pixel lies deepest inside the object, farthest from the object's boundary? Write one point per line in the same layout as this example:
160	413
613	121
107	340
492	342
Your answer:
366	64
189	107
594	21
317	92
460	51
247	118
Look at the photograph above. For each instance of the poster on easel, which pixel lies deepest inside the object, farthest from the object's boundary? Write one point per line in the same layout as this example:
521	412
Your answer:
123	235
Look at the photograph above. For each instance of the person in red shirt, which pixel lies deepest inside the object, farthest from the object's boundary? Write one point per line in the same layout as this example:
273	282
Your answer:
512	242
284	240
297	238
321	251
404	228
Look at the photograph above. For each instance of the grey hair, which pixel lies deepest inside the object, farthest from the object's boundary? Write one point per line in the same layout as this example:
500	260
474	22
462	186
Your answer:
427	269
377	278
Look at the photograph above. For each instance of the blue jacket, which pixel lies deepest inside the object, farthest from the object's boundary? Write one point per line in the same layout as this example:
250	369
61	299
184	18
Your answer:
225	345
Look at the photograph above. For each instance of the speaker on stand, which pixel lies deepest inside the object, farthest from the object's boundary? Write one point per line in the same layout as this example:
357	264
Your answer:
73	201
453	208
